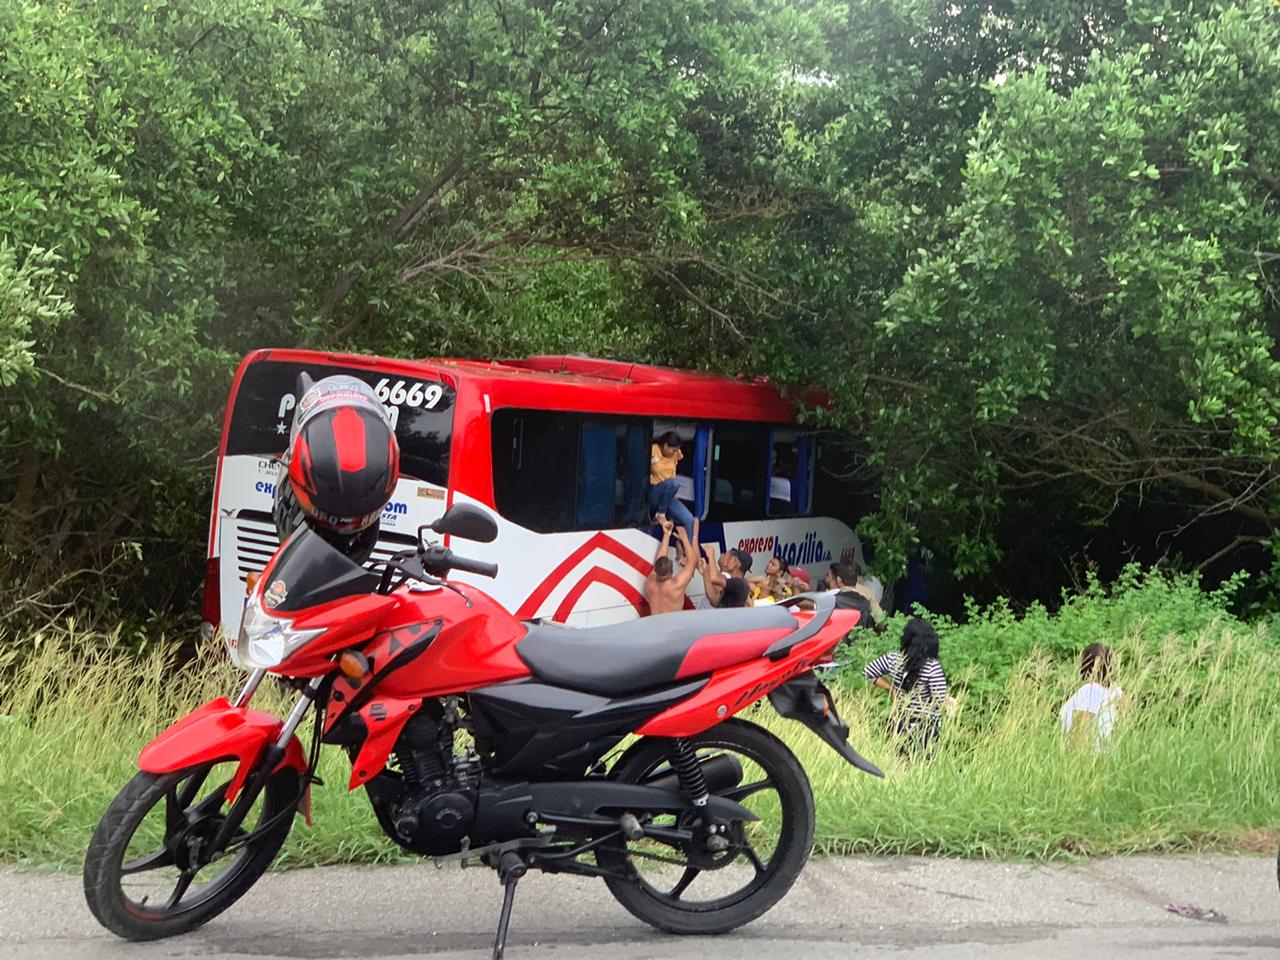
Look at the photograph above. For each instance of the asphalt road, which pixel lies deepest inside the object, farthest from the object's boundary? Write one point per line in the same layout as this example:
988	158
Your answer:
902	908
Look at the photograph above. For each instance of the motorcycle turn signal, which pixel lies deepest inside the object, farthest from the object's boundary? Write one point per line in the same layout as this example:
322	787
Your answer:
353	664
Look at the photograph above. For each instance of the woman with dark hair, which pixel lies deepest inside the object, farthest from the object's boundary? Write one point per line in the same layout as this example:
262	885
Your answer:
914	679
1090	714
664	456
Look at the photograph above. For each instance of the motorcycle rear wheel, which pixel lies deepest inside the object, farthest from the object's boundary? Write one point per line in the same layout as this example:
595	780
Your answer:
774	786
131	851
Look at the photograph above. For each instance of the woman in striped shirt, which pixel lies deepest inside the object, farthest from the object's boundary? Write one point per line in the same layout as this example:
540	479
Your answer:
914	679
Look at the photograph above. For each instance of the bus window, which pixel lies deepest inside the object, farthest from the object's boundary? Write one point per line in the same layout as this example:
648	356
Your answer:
613	474
535	465
739	472
556	471
790	474
833	486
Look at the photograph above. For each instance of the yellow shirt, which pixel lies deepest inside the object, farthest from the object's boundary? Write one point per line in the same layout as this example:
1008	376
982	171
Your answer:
662	467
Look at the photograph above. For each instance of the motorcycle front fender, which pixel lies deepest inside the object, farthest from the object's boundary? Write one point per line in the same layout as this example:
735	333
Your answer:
807	699
219	731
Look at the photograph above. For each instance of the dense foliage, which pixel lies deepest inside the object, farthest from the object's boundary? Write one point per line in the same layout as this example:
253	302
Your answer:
1032	250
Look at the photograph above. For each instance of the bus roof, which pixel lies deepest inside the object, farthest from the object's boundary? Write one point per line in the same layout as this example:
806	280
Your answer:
587	383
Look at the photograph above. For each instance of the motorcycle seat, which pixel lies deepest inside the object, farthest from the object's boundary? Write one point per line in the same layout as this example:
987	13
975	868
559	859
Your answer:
625	658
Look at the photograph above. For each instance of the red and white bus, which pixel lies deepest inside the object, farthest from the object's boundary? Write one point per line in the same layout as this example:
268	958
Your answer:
557	448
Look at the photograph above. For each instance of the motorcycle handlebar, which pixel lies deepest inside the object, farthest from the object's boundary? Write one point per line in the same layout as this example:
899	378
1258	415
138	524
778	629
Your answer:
479	567
439	561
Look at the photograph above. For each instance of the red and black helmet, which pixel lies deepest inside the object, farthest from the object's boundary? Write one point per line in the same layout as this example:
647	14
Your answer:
343	457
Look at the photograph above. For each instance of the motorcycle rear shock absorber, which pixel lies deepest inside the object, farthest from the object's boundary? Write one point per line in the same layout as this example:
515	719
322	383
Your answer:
692	782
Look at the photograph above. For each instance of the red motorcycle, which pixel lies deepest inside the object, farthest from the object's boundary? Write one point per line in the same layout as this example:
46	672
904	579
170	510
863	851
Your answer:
477	736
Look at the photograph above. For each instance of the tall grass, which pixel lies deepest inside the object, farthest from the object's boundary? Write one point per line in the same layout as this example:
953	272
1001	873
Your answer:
1195	762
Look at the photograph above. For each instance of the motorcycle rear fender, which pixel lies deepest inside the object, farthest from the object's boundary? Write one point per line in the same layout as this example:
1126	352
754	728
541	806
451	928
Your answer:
807	699
735	688
219	731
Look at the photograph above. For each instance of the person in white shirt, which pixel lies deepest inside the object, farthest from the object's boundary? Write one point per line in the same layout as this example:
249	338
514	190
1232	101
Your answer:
1090	715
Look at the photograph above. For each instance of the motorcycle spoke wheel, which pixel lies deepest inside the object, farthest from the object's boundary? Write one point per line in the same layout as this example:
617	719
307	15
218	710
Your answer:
162	873
149	872
686	887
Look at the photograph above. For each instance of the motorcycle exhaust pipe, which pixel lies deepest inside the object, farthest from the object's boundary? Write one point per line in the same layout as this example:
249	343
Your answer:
723	772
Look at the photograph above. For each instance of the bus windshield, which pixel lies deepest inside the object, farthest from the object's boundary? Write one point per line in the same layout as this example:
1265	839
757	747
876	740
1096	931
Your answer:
421	411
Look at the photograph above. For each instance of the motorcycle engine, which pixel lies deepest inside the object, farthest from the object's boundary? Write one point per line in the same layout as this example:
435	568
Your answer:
436	806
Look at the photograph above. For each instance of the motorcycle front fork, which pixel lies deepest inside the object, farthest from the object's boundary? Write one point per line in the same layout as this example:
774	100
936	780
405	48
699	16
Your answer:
299	711
270	758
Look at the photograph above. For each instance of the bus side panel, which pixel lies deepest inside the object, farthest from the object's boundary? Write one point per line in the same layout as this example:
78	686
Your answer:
595	577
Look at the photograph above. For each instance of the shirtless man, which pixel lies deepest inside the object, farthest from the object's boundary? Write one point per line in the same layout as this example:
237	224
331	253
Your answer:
663	587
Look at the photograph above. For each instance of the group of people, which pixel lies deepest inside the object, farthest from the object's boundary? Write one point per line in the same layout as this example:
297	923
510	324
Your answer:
724	578
727	579
912	675
914	679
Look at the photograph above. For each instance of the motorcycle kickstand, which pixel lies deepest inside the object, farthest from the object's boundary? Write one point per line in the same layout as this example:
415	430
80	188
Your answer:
510	869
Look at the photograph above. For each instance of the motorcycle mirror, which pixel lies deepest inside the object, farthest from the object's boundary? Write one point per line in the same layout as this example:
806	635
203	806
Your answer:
468	522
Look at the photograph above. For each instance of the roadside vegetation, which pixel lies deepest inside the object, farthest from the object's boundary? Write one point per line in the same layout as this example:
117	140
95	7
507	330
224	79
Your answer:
1195	762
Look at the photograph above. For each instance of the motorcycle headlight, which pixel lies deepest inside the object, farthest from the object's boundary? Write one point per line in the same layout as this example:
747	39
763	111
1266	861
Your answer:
266	641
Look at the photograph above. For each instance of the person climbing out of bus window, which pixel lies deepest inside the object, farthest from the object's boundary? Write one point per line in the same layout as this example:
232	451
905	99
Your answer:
664	455
1090	715
774	584
913	678
845	581
663	587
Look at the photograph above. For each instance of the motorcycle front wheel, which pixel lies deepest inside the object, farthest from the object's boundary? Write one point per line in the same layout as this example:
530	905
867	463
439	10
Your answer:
145	877
690	890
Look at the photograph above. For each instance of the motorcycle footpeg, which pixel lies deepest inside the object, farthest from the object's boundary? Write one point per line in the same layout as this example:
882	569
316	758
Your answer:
630	827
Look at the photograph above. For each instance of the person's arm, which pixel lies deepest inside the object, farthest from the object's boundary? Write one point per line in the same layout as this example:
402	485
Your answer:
651	580
686	573
875	672
665	545
938	685
712	579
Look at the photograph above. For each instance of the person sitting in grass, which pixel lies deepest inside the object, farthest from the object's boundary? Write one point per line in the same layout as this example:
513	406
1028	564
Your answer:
913	678
1090	715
